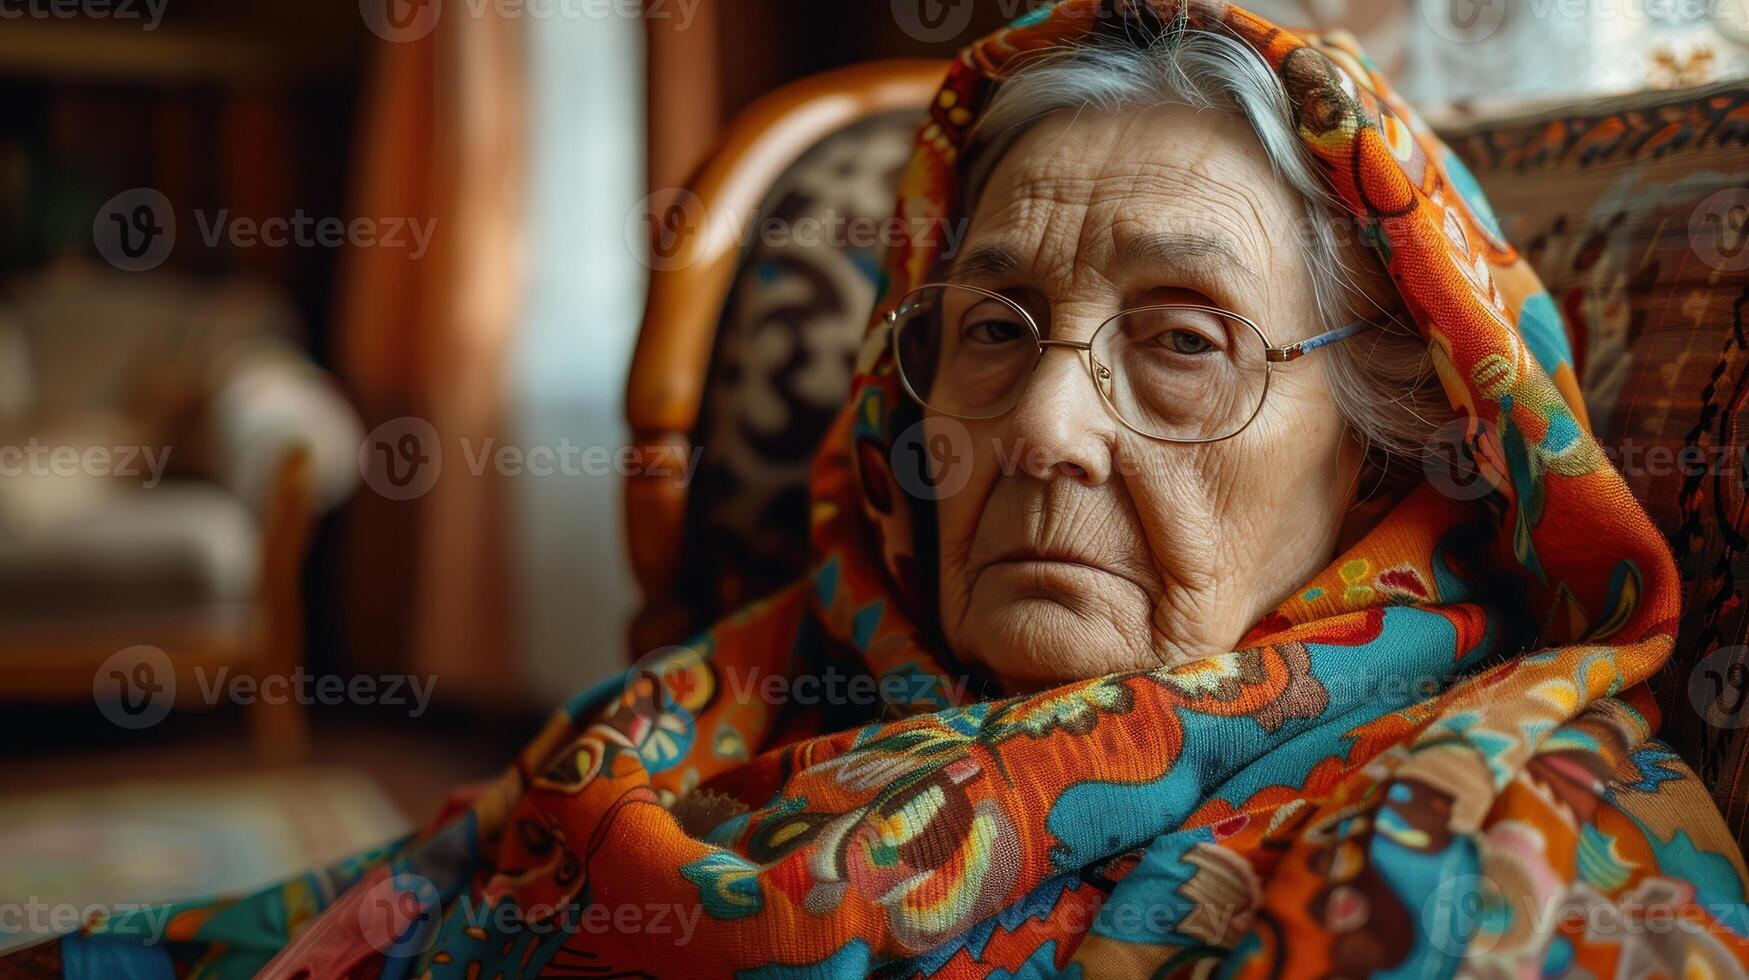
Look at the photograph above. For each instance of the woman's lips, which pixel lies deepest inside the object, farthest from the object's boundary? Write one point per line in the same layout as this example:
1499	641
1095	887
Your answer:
1027	556
1045	568
1067	552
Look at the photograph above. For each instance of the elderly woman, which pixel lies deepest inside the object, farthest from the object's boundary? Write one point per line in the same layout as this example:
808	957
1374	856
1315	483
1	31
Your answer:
1176	659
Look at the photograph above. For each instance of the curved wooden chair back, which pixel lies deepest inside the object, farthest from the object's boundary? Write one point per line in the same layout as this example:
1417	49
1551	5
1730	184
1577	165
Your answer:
699	249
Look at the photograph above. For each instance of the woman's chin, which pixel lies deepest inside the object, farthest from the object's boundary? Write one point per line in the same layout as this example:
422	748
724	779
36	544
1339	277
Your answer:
1031	639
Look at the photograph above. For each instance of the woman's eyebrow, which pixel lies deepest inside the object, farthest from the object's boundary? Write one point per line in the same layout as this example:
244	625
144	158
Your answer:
1188	251
1169	250
983	262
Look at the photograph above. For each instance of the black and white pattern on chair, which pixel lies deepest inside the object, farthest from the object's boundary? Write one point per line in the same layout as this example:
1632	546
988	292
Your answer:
783	361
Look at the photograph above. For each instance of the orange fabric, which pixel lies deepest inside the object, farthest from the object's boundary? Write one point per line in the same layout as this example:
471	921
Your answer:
1436	756
423	341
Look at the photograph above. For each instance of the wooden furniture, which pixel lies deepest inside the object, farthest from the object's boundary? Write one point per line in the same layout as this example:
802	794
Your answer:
206	105
688	289
61	663
116	575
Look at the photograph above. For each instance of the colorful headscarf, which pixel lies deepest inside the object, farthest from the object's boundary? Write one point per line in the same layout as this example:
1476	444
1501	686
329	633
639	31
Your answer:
1290	808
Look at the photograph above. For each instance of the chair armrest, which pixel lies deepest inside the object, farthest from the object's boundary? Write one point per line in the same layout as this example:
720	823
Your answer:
269	404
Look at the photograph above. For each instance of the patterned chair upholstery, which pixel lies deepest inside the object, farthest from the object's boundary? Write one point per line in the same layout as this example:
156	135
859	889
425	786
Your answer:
1632	210
782	364
1635	212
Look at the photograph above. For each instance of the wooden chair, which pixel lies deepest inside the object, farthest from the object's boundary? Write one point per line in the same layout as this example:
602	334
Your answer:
146	597
62	664
701	248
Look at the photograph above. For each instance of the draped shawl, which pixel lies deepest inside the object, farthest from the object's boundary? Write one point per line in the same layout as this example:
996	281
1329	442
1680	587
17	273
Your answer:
1436	755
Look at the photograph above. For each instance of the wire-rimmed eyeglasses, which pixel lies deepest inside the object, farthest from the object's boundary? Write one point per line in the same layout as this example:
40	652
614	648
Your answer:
1175	372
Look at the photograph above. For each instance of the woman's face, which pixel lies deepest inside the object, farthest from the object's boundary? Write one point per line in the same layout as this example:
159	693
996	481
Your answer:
1078	547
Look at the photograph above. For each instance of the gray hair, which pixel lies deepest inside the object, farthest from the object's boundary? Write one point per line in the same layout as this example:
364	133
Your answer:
1382	381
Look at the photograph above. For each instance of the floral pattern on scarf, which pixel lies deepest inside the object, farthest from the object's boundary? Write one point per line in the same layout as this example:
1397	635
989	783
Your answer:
1435	757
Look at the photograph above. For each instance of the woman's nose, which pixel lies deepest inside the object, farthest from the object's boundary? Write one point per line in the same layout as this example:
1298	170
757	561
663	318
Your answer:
1061	427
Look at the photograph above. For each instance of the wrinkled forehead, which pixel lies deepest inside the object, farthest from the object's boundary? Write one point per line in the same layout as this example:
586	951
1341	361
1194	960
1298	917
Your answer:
1128	195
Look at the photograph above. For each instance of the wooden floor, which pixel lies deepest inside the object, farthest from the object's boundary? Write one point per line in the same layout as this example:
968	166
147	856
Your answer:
91	813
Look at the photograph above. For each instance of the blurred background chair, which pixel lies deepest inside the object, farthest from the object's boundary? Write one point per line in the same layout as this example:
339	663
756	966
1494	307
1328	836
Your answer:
186	449
1632	209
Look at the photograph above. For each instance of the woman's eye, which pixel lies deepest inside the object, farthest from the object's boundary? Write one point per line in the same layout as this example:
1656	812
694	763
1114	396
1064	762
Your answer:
1187	342
995	331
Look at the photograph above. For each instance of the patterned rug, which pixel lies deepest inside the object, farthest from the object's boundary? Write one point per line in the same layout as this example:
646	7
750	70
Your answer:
63	852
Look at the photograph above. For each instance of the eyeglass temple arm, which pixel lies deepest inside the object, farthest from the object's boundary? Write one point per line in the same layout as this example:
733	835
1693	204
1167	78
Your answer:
1292	352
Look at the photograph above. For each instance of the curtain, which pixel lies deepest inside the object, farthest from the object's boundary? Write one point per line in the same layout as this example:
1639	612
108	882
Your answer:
422	342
